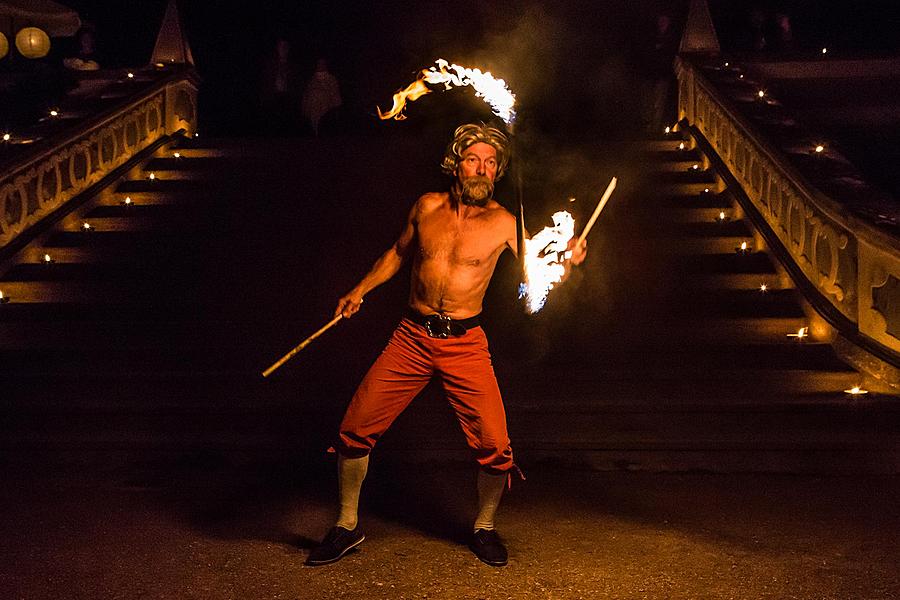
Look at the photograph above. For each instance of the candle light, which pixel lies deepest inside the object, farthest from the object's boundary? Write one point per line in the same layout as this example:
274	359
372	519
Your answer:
196	135
741	76
47	259
127	201
824	50
3	299
705	190
802	333
177	154
761	94
668	130
681	146
152	177
54	113
819	149
6	137
856	391
695	167
726	63
743	249
86	226
130	75
572	199
722	216
160	65
763	288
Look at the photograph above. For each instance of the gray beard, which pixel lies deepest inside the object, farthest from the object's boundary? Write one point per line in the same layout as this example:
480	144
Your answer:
476	191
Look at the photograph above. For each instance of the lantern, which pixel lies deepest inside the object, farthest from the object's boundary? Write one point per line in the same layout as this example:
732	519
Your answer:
4	45
32	42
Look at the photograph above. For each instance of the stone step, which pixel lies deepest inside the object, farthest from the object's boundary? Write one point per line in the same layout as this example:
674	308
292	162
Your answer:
187	164
703	200
674	161
189	149
667	143
687	176
728	263
163	186
124	222
712	214
685	188
665	357
29	292
157	211
736	303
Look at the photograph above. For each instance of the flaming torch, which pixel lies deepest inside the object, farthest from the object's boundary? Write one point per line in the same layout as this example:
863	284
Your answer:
546	252
493	90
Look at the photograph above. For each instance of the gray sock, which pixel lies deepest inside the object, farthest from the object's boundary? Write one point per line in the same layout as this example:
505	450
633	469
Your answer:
490	489
351	472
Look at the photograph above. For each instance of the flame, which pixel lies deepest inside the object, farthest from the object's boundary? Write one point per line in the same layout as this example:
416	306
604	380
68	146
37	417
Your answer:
802	333
544	255
413	91
494	91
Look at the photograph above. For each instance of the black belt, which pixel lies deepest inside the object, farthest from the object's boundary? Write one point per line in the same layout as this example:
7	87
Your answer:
442	326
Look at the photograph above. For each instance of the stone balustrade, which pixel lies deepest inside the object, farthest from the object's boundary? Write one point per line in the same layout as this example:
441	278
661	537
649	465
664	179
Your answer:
77	157
851	263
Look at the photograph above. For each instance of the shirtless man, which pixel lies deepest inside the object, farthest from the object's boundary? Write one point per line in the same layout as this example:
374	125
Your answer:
454	240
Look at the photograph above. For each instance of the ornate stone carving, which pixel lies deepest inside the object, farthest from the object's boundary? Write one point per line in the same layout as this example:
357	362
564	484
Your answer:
34	190
886	302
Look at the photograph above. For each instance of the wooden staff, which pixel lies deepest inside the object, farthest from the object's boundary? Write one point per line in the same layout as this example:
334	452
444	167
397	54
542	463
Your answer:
301	346
600	205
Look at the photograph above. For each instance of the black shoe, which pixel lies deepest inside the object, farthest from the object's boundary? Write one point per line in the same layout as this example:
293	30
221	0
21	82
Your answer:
337	543
487	546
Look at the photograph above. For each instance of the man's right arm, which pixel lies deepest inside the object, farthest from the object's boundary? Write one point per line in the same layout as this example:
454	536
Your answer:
384	268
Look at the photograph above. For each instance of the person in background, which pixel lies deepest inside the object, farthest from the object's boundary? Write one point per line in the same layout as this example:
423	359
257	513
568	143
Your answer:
321	95
277	90
85	58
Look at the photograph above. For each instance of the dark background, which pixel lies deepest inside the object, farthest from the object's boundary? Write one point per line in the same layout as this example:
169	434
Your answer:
572	63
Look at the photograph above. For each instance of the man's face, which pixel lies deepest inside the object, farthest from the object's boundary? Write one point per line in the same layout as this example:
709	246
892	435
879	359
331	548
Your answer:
476	172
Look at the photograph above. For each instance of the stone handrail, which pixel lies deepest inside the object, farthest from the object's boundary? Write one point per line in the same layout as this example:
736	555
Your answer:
65	165
851	264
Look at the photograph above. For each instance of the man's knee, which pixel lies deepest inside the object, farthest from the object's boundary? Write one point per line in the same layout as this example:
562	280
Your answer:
495	460
352	445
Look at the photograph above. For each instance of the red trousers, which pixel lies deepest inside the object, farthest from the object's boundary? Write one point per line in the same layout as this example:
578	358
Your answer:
406	365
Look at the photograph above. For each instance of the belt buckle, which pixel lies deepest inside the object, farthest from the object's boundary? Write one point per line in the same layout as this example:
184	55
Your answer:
438	326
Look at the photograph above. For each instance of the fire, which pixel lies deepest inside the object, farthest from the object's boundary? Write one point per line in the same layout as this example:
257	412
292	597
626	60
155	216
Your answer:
544	256
494	91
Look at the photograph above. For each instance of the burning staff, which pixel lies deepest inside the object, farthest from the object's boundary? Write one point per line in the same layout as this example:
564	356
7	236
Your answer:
545	253
494	91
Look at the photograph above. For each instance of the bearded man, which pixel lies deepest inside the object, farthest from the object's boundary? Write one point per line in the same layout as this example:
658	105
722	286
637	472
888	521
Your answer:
453	240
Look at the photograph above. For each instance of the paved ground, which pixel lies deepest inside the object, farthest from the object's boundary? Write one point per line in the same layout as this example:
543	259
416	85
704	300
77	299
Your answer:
224	529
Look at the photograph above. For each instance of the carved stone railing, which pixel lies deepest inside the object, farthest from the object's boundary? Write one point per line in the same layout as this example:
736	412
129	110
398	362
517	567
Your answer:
849	263
63	166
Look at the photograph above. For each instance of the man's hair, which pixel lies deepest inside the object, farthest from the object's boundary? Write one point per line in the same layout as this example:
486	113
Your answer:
472	133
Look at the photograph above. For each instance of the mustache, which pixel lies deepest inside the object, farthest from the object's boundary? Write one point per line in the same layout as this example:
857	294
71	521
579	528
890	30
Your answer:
476	190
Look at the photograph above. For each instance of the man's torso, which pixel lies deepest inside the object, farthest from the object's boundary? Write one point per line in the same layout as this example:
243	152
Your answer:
455	255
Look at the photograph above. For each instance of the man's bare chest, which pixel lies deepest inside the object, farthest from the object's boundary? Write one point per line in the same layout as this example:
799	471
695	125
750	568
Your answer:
471	243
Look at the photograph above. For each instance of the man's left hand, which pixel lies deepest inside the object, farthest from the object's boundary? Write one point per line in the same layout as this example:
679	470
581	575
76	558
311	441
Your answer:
579	251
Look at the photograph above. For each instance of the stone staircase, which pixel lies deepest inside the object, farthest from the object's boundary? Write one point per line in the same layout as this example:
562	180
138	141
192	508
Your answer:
147	332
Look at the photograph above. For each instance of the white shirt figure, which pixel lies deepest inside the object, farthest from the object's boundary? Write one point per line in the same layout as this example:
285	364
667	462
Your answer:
321	95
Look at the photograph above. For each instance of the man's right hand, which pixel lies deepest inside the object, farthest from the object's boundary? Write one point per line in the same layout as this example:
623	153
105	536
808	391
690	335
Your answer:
348	305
